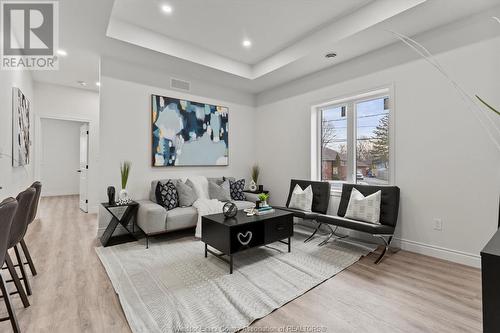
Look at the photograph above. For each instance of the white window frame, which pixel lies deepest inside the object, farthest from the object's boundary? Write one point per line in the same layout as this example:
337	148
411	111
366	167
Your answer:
349	102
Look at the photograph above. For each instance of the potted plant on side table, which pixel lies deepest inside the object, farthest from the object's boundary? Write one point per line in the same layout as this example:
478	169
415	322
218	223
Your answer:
124	171
263	197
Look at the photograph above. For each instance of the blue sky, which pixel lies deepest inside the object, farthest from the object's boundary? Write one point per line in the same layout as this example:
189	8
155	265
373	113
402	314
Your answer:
369	114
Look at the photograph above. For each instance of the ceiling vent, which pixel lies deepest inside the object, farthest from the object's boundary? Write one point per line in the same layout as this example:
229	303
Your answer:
180	84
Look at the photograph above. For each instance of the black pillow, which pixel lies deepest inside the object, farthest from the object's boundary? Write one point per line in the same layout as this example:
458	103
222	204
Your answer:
236	188
166	195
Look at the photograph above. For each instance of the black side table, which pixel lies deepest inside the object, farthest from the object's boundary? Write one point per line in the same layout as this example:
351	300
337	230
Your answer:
256	192
122	214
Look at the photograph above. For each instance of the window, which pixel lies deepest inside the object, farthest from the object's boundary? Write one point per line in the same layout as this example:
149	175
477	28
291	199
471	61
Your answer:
334	143
354	141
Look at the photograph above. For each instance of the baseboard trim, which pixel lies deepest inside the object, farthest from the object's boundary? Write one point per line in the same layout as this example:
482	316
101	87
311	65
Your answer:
460	257
457	256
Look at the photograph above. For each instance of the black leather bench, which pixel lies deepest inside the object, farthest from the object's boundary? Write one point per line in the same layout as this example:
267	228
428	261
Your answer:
321	199
388	214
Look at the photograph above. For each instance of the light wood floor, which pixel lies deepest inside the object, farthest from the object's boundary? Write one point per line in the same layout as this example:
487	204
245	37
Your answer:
407	292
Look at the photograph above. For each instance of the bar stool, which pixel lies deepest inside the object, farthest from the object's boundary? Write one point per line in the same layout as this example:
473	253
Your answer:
17	232
33	210
8	209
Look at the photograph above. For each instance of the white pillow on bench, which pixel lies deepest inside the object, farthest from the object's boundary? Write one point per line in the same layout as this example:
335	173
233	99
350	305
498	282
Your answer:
366	209
301	199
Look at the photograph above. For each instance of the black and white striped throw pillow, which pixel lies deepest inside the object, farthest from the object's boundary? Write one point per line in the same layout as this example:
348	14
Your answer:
166	195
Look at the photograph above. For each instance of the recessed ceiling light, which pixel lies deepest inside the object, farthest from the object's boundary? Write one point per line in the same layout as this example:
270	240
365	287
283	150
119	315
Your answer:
247	43
331	55
82	83
98	83
62	53
167	9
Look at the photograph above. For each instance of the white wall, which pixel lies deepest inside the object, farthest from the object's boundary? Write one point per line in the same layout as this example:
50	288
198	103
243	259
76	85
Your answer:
125	135
59	102
14	180
60	157
445	164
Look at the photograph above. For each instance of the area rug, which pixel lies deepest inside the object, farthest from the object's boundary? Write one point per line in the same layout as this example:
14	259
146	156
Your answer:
172	287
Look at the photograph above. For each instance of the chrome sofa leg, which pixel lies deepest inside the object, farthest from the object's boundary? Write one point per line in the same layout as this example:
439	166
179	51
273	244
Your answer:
386	248
330	235
314	232
338	236
333	232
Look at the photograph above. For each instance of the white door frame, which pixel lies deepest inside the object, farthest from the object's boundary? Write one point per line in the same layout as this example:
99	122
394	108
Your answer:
83	171
38	137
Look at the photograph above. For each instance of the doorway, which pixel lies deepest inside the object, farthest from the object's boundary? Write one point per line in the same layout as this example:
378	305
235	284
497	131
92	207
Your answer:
64	158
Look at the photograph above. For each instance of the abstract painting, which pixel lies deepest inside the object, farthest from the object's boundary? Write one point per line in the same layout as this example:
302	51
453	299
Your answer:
21	140
189	133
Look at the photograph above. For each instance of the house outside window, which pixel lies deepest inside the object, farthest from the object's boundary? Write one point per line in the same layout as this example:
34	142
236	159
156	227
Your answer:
354	140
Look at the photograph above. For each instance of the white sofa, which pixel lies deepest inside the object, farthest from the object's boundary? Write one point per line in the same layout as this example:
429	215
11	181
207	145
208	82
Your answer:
154	219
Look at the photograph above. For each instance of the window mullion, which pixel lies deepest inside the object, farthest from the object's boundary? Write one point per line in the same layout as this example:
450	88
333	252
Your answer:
351	147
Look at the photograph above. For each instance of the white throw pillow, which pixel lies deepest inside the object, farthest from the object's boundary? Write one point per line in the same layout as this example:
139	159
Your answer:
301	199
200	186
366	209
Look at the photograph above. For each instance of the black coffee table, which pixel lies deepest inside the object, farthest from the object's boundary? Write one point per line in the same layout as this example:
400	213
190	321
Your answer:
242	232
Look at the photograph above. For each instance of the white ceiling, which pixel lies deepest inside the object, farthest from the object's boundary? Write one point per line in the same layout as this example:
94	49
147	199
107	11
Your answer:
219	26
201	39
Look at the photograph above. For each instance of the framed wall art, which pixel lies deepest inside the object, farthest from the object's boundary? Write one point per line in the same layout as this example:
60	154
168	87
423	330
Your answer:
186	133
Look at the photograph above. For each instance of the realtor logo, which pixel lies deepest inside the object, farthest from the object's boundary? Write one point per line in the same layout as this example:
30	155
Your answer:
29	35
